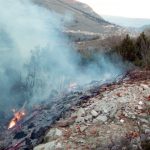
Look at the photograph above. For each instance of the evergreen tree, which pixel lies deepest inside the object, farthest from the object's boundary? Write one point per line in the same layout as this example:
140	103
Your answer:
143	49
127	49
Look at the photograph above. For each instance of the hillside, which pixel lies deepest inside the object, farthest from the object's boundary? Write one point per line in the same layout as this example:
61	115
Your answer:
87	29
84	18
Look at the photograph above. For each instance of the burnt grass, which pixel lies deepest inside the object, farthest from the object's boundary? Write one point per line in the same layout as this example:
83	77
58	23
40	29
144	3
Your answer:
30	131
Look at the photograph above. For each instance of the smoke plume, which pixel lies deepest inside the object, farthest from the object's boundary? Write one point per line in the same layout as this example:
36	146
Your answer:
36	57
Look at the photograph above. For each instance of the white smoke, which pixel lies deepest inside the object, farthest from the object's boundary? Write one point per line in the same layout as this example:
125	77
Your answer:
35	56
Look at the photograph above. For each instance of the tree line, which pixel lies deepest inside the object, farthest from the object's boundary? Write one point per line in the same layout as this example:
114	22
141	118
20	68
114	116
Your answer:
136	50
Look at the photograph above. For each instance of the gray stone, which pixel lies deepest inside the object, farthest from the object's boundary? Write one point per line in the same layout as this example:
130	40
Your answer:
81	141
124	148
147	131
107	108
39	147
143	115
100	119
83	128
148	138
134	147
140	107
147	103
94	113
143	137
81	112
130	115
113	111
144	86
144	120
59	146
80	120
88	118
58	132
47	146
144	126
53	134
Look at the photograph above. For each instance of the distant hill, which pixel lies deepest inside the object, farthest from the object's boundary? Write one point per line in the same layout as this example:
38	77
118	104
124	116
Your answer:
88	29
84	18
127	22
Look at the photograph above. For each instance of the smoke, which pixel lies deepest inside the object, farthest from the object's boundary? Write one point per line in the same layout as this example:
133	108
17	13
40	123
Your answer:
36	58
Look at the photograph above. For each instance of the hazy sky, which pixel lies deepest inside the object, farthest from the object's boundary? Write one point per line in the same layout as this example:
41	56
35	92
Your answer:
125	8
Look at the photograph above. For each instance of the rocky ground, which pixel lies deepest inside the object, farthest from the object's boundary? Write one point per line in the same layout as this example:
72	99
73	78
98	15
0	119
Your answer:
117	119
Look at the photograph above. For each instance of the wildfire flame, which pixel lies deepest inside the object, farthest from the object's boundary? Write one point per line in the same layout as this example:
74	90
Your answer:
17	117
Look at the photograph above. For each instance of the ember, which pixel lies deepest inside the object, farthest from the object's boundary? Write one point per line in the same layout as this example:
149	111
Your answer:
17	117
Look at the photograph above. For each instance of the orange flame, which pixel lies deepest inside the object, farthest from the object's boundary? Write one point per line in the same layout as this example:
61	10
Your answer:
17	117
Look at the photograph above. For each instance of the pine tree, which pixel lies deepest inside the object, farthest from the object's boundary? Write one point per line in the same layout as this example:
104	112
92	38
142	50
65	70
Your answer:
127	49
143	49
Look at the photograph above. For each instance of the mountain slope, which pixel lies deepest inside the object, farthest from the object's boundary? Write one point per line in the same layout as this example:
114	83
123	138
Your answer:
84	18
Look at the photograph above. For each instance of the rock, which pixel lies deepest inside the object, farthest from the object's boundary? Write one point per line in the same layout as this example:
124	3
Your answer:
144	126
47	146
142	137
130	115
144	86
148	138
81	112
139	107
147	103
118	114
80	120
116	147
93	131
113	111
124	148
144	120
40	147
83	128
58	132
141	103
143	115
122	120
94	113
147	131
53	134
135	147
81	141
109	109
68	122
100	119
88	118
59	146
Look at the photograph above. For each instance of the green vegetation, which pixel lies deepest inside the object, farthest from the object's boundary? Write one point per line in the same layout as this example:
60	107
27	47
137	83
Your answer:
136	50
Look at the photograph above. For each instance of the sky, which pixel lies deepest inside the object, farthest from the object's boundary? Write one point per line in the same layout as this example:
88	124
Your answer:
123	8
